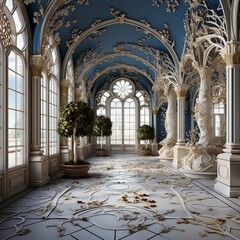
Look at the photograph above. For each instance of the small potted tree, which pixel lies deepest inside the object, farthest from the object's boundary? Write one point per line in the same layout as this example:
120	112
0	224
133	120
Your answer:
75	120
102	127
145	133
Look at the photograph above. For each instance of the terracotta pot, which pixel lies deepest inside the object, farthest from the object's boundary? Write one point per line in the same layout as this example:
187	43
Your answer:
76	170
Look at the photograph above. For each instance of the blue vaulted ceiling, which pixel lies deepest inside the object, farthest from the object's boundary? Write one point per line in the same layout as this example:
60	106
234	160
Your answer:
100	45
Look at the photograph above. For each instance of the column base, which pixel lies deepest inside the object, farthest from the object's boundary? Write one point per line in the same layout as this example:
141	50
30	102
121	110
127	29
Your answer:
228	178
179	151
155	149
200	162
166	151
232	192
38	170
199	175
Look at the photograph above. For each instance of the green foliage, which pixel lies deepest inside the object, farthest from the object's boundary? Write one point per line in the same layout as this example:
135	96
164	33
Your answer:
145	132
75	115
102	126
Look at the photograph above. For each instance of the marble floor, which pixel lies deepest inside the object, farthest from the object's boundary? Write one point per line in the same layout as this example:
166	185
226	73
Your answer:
125	197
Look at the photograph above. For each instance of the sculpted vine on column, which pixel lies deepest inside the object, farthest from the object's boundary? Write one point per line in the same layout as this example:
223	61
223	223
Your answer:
166	151
200	161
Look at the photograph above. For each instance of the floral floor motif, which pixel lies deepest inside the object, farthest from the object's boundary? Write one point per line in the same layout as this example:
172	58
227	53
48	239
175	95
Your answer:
125	197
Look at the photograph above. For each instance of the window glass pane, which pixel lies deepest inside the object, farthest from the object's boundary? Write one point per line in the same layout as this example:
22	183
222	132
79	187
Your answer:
11	99
11	61
18	20
20	102
9	4
21	41
11	80
11	119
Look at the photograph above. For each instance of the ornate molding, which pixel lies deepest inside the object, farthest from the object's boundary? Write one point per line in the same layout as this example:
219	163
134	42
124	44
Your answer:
5	29
172	5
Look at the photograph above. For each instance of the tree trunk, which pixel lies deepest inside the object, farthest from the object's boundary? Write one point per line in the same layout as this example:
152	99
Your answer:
101	139
74	147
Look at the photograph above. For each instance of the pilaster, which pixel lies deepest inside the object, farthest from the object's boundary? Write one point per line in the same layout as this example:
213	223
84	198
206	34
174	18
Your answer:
181	92
155	144
64	150
38	163
179	150
228	163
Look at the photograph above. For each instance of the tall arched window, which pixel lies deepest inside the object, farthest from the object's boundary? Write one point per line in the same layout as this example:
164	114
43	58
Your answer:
16	86
128	108
116	117
101	103
144	108
49	102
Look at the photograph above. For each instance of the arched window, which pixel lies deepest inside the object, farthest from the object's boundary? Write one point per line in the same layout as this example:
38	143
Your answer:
144	108
128	108
101	103
16	82
49	102
116	117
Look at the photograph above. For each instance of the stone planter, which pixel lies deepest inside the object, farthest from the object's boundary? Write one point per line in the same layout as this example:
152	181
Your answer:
101	152
75	170
145	152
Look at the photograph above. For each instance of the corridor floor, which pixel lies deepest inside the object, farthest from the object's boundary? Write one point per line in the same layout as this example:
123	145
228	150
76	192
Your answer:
125	197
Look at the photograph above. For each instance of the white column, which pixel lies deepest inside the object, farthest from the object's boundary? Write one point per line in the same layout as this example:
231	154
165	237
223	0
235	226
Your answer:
228	163
38	163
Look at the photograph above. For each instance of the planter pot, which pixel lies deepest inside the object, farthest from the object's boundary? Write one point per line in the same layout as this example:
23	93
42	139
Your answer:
76	171
145	152
101	152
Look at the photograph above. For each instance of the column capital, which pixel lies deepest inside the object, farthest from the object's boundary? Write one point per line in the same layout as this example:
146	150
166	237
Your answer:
78	94
181	90
155	110
65	83
36	63
231	53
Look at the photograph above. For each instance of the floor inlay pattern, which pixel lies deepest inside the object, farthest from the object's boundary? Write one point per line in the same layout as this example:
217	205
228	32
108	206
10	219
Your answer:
125	197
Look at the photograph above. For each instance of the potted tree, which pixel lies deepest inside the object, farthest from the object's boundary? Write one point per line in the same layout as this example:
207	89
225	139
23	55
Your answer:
102	127
145	133
76	119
